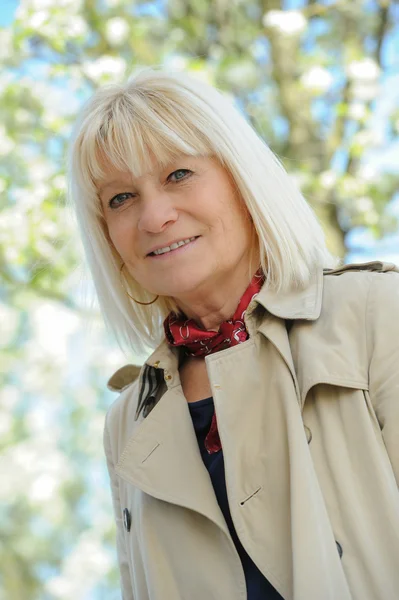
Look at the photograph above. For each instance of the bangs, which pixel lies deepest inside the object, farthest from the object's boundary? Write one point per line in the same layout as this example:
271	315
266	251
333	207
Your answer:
131	132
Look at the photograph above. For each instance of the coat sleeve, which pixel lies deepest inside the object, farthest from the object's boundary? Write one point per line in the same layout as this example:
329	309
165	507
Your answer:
383	348
126	583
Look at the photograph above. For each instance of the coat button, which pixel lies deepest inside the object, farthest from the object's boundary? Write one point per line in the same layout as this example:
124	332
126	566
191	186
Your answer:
126	519
339	548
308	434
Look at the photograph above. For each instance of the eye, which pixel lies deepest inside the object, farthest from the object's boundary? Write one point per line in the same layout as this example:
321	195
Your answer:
179	175
119	199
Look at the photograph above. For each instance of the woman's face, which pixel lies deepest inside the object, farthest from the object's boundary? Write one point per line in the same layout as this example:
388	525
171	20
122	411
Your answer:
193	197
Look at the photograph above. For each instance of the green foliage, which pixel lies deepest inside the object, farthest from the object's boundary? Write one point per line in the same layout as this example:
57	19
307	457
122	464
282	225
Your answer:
309	80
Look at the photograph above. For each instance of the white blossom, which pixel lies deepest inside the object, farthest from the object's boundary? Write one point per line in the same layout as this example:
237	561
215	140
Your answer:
367	172
364	204
44	488
365	91
328	179
11	253
85	565
363	70
27	7
56	101
106	66
47	318
175	62
288	22
242	73
357	111
22	464
369	137
37	19
43	421
116	31
38	5
40	170
76	26
14	230
5	44
51	29
317	78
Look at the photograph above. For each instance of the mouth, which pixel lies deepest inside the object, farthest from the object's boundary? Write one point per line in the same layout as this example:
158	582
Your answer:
173	249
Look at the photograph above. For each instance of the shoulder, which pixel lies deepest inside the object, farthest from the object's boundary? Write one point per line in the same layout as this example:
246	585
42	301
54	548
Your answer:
352	284
337	345
351	296
359	302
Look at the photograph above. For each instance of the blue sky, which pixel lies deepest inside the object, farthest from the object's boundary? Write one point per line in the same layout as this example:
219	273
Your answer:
7	11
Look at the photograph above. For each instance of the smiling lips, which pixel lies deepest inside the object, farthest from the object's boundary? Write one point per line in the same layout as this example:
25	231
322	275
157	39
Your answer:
173	246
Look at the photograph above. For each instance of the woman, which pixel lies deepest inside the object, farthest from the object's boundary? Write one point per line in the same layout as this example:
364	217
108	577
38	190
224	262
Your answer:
255	453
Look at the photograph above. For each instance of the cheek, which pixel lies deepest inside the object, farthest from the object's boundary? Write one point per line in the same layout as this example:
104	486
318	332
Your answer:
235	218
123	240
114	238
119	232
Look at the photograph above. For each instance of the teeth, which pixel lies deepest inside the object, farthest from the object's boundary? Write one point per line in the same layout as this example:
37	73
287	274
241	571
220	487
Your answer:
173	246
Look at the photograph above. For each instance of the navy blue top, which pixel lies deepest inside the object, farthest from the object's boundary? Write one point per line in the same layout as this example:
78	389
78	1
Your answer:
258	587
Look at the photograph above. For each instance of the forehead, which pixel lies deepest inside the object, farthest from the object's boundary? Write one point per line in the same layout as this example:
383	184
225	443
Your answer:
110	173
108	165
137	165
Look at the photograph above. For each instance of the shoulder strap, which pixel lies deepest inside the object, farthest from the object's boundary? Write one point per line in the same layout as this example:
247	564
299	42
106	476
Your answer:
123	377
377	266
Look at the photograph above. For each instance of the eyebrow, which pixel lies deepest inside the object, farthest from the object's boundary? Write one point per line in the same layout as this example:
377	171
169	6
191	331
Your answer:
109	184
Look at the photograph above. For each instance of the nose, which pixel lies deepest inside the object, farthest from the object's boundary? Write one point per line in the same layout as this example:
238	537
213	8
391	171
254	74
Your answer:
157	211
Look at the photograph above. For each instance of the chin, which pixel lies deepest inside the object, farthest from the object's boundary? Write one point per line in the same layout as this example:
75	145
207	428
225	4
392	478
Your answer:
180	285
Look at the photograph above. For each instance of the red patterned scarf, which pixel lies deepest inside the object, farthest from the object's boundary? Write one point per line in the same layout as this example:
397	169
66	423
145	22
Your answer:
180	331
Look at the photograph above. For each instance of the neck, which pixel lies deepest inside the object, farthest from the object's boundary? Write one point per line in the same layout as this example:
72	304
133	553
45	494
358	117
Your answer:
217	301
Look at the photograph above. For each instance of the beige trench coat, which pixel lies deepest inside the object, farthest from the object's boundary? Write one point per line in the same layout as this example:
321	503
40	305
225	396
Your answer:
308	418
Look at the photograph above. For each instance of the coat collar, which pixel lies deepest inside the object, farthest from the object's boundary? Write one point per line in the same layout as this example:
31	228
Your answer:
302	303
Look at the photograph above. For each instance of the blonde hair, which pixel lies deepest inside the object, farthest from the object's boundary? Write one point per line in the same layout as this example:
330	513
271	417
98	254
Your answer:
168	114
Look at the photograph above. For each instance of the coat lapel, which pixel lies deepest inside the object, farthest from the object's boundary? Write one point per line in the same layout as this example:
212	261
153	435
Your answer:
162	459
274	497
